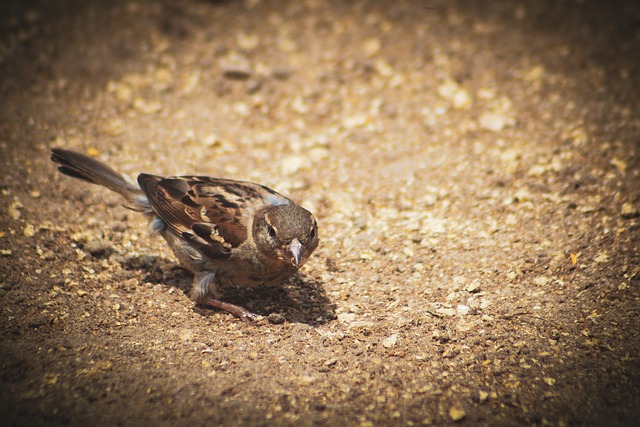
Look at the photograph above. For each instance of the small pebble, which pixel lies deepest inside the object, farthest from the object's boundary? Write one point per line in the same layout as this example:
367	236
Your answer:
629	211
456	94
462	310
147	106
372	47
276	318
390	341
541	280
457	413
247	41
236	67
446	311
474	286
496	121
29	230
98	248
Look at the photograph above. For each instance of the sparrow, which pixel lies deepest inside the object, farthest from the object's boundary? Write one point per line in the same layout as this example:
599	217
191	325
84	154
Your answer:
224	231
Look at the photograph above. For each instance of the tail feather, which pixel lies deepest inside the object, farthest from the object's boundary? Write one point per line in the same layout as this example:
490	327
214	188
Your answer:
83	167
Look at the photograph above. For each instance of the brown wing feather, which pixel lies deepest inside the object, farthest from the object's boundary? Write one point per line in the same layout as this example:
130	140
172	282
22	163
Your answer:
200	209
164	196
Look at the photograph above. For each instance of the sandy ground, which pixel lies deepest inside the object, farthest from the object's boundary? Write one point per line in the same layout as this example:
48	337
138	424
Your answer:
474	168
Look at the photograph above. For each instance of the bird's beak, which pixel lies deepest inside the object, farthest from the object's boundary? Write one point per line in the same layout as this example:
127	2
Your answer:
295	250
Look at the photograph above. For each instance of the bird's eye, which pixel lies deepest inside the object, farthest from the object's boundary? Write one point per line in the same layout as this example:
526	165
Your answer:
271	231
314	230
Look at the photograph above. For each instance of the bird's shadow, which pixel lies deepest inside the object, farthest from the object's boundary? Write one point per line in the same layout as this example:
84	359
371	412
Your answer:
300	299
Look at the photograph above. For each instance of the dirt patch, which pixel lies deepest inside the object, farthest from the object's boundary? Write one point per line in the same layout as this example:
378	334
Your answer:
474	168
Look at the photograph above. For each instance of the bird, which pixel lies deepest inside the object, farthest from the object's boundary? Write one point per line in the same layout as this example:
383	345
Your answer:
226	232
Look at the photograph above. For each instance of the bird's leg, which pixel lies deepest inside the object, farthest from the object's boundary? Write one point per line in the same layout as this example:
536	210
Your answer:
202	290
240	312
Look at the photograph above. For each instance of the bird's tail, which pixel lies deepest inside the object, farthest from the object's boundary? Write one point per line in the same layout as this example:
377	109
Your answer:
83	167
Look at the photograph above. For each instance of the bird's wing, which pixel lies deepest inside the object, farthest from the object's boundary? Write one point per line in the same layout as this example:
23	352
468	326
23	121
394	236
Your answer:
211	213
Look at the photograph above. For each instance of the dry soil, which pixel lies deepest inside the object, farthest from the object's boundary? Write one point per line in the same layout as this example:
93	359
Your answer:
474	167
